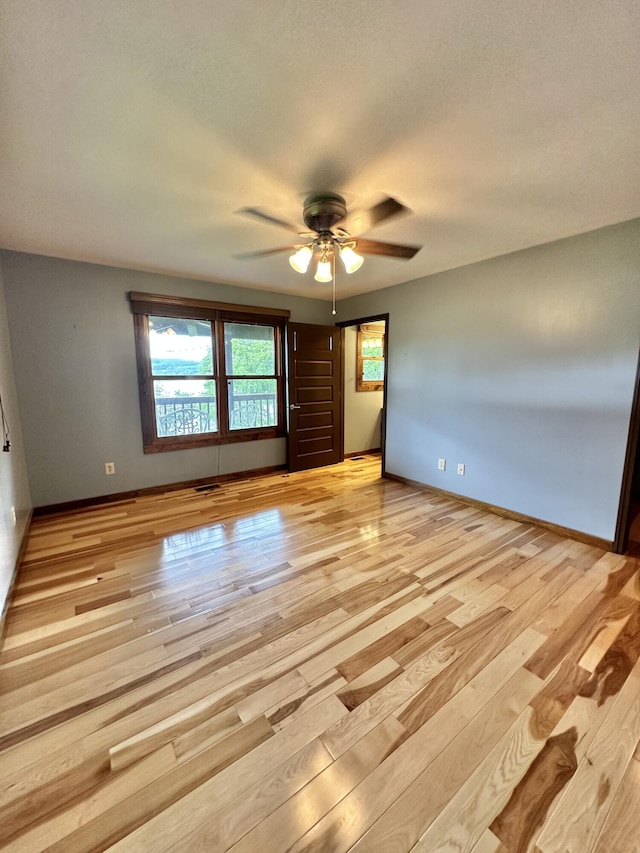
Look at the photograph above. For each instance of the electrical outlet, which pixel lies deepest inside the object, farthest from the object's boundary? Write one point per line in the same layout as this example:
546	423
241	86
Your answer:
109	468
461	468
442	464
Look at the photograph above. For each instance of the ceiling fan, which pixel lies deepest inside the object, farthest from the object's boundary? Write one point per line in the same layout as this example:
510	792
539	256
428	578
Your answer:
333	233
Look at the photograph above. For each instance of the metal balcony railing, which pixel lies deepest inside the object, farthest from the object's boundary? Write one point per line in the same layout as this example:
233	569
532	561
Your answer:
192	415
251	411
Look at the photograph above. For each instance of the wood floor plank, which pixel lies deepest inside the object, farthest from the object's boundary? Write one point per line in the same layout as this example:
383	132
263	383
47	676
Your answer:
286	824
505	628
621	829
324	661
487	843
497	694
226	827
390	808
461	823
51	818
583	808
165	831
117	822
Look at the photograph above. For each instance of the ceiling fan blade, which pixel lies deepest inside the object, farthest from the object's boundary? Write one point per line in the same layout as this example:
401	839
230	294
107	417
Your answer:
267	217
245	256
391	250
361	221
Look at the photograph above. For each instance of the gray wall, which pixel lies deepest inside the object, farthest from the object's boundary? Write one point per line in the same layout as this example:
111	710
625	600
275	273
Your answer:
75	368
522	367
361	408
15	502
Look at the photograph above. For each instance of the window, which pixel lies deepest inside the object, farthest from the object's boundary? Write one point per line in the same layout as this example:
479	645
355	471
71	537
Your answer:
252	382
208	373
370	357
182	377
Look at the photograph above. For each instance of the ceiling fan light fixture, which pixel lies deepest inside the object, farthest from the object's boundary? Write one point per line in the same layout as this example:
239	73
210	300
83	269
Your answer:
352	260
300	260
323	273
325	215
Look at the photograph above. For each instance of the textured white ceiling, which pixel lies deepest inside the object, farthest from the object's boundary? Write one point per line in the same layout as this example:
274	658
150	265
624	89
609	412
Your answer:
132	131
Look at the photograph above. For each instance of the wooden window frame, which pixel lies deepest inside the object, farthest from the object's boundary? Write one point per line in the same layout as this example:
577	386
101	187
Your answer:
365	330
144	305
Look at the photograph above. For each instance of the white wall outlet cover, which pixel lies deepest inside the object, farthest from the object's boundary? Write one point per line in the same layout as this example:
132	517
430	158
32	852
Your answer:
442	464
461	469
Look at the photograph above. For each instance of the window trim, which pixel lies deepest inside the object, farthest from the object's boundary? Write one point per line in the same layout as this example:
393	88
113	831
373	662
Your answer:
144	305
369	384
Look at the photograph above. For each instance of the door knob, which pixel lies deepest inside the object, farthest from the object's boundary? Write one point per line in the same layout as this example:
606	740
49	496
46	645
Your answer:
293	406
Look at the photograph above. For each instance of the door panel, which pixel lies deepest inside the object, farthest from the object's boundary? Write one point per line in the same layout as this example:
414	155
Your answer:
315	413
314	368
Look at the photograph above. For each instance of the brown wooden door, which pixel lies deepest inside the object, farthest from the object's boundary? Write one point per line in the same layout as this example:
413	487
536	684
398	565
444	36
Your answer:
315	410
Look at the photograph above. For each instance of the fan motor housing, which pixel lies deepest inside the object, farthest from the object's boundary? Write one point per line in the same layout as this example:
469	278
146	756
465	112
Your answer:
323	210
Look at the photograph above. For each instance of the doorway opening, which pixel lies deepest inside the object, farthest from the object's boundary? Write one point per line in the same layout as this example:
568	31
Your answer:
627	538
364	386
633	543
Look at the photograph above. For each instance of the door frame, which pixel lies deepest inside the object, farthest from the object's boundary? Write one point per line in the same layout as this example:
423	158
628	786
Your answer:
371	318
621	540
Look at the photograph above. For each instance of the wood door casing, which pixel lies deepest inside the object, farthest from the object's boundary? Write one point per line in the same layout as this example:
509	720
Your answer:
315	405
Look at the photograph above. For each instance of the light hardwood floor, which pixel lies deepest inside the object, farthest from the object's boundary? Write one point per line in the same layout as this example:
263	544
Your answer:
325	661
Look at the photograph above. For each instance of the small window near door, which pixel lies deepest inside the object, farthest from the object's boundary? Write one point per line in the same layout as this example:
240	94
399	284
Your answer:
370	357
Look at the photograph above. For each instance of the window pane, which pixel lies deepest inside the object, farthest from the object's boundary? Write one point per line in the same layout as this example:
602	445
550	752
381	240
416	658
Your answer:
180	347
371	347
250	350
185	407
373	371
252	403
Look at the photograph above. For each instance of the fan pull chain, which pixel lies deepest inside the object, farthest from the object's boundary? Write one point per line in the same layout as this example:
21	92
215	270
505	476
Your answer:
6	444
333	281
